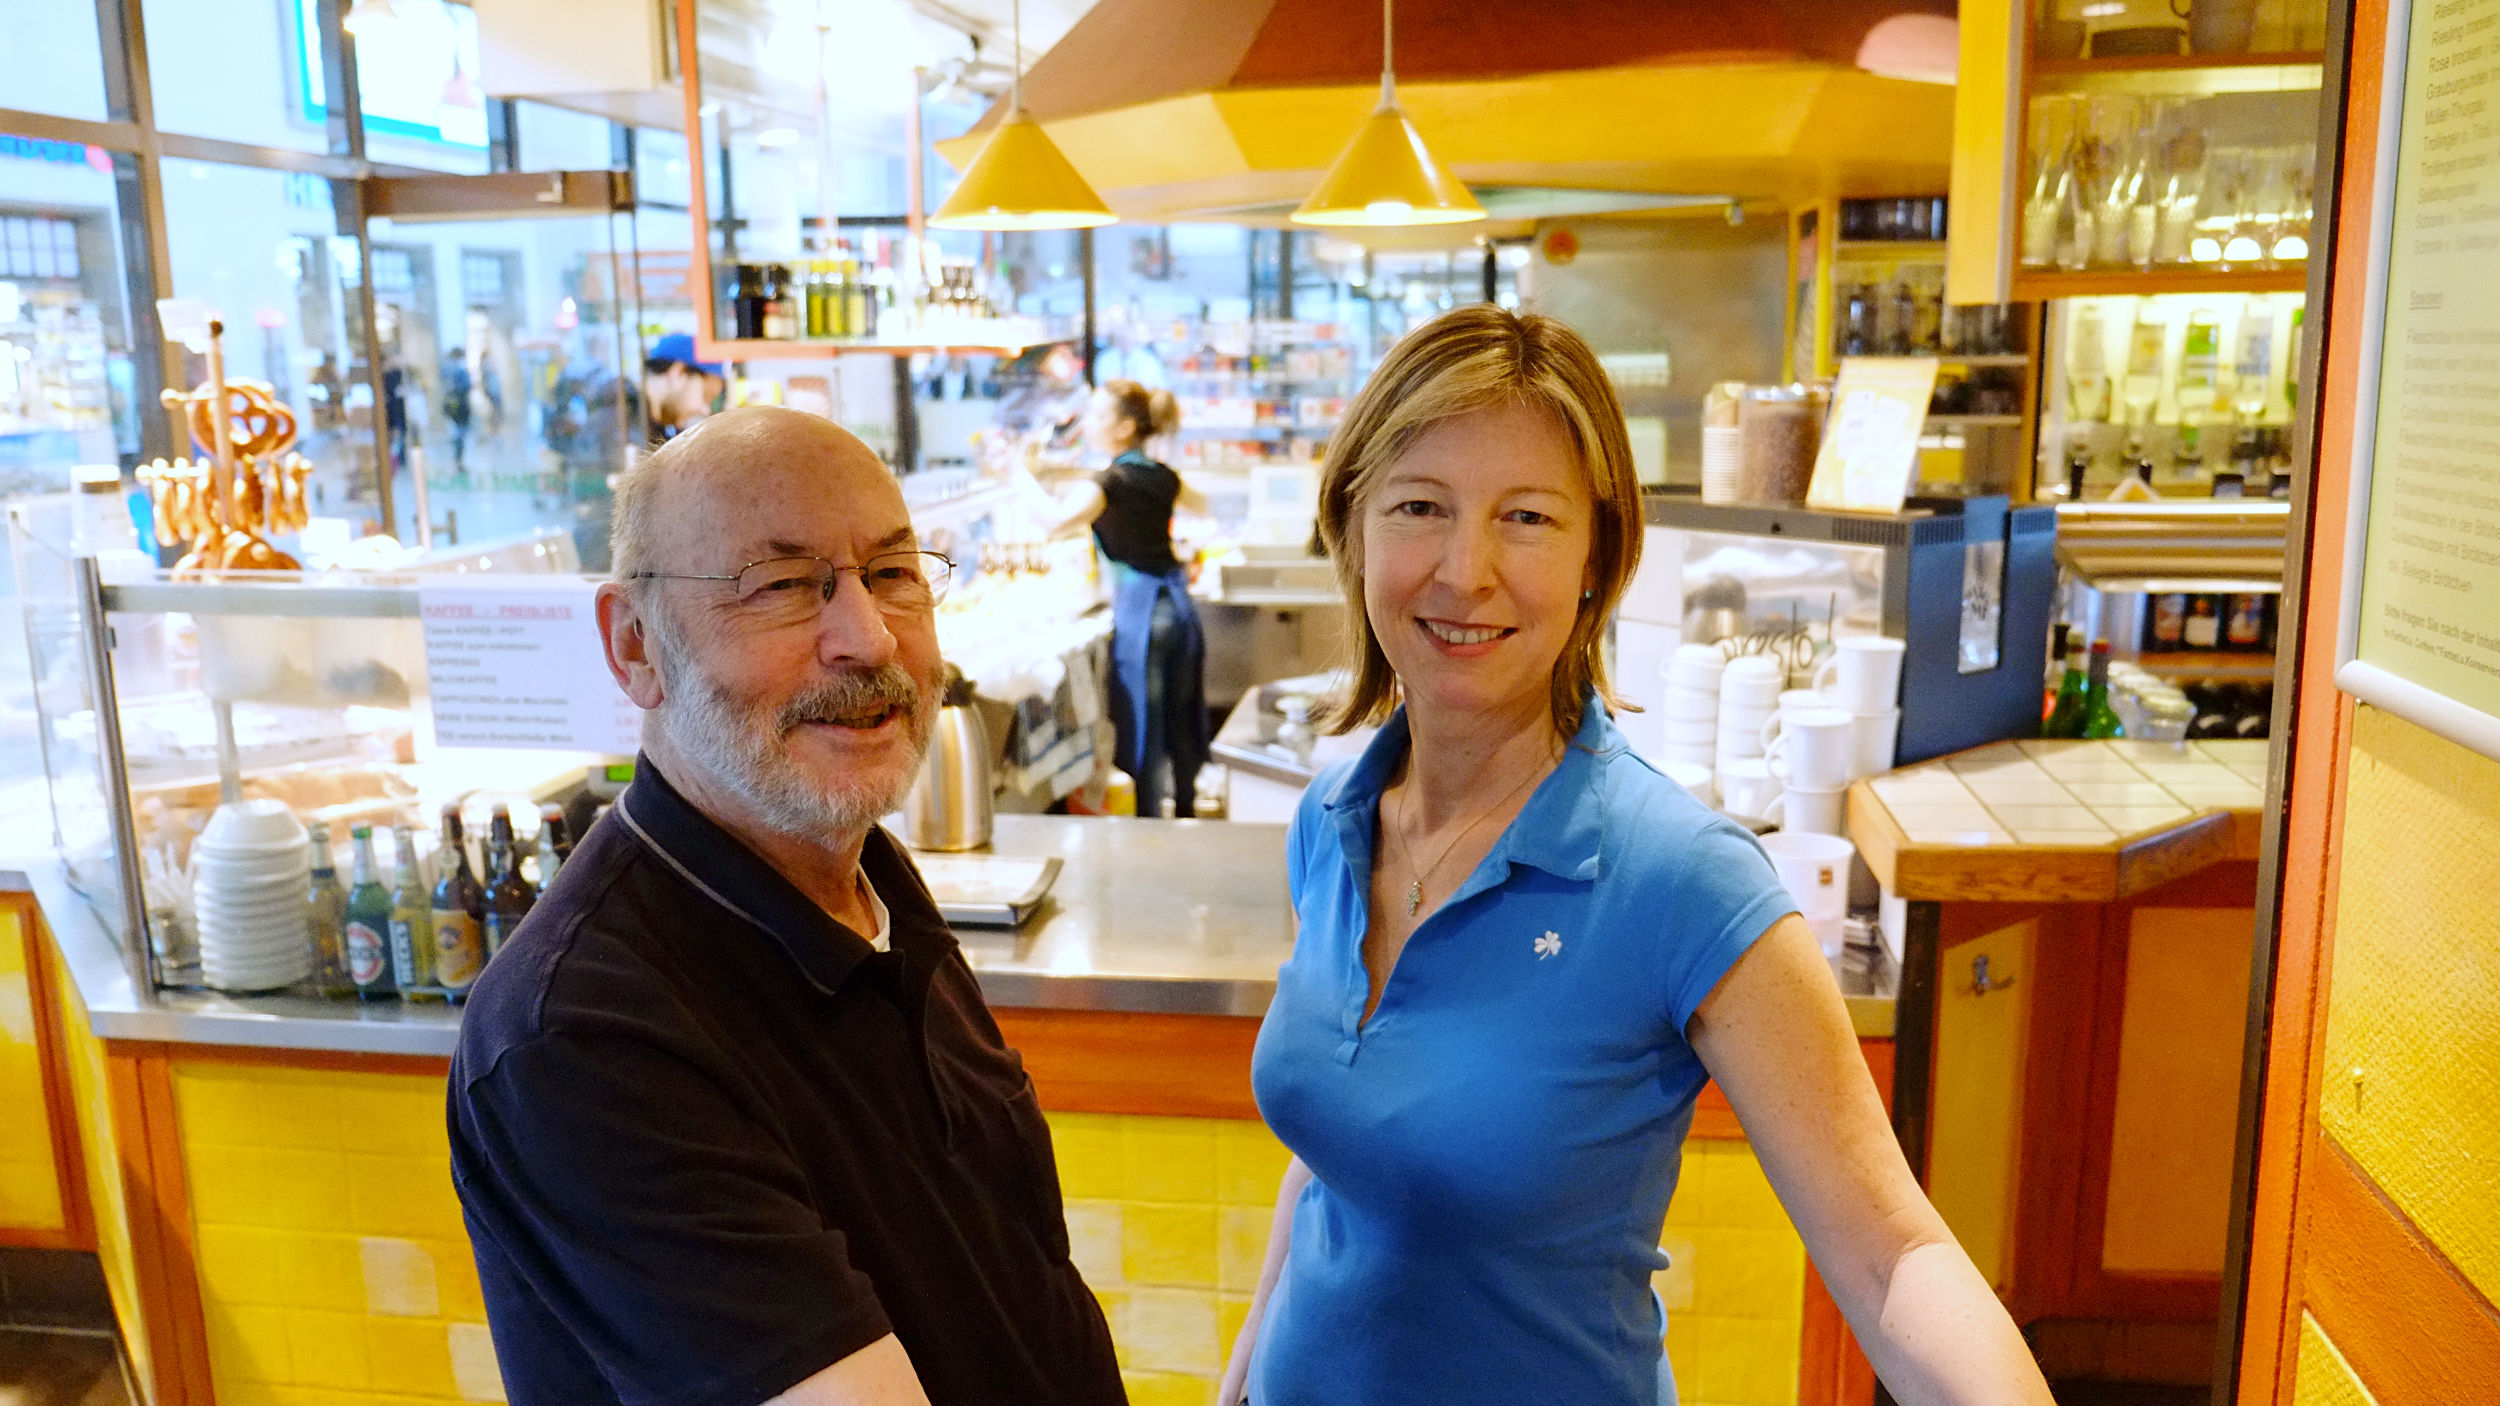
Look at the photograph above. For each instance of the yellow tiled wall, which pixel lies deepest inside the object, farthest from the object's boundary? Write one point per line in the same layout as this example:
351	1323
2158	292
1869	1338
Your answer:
103	1157
1169	1219
30	1182
335	1271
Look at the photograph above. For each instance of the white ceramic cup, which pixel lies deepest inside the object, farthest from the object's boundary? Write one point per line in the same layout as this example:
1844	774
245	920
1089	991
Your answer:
1815	751
1695	779
1686	704
1863	675
1746	787
1795	700
1688	730
1815	870
1870	742
1697	667
1753	678
1809	812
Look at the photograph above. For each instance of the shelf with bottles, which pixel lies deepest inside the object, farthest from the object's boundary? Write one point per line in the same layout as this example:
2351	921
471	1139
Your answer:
2189	394
861	298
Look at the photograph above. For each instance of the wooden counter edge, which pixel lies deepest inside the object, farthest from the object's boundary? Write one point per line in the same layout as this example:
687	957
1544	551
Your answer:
2020	873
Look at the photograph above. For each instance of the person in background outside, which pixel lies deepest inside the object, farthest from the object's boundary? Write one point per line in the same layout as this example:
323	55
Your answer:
1158	648
678	391
457	414
730	1121
1521	952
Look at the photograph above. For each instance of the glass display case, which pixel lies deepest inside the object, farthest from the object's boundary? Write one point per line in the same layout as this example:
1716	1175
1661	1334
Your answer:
2166	147
199	735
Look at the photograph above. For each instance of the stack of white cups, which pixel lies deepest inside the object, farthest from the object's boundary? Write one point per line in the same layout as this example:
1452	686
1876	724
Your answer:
1690	716
1863	679
1809	753
1749	695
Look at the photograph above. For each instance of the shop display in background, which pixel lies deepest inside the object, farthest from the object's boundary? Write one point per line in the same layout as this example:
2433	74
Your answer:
867	293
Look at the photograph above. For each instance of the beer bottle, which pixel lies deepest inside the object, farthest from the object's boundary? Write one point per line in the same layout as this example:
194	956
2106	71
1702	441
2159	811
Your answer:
325	912
508	895
412	922
459	913
367	931
2066	716
554	846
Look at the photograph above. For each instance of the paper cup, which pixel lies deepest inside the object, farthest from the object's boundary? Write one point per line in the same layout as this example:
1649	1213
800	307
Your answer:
1814	869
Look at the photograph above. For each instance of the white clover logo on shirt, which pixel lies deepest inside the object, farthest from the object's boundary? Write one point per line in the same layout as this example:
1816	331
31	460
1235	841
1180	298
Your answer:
1549	945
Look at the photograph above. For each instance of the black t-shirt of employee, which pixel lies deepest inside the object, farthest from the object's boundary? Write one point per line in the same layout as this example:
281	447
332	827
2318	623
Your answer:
710	1142
1135	528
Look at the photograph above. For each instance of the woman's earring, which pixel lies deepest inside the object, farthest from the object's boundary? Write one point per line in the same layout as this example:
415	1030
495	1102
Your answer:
1588	595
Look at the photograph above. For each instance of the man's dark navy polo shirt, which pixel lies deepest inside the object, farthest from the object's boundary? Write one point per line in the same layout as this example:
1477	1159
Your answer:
711	1142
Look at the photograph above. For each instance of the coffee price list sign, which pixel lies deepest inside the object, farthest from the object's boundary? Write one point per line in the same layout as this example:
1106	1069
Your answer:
2420	629
516	662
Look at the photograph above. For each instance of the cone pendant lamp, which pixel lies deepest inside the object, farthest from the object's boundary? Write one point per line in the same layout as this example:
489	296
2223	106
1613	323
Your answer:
1385	176
1020	180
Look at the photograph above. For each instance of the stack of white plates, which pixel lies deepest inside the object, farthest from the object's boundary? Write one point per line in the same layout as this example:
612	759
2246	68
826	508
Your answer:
1720	460
250	875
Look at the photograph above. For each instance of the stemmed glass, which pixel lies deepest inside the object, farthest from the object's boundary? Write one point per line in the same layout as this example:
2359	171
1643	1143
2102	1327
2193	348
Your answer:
2049	206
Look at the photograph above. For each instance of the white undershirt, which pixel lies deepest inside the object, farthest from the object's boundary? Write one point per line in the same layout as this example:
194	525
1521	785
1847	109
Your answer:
884	939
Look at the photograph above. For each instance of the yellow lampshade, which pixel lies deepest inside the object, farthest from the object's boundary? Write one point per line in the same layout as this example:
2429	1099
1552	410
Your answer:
1386	177
1021	181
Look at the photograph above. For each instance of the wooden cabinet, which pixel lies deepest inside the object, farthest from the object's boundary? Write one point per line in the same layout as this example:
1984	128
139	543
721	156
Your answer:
2081	1109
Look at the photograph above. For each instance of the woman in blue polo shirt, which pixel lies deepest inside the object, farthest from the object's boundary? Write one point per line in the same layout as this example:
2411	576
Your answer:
1522	952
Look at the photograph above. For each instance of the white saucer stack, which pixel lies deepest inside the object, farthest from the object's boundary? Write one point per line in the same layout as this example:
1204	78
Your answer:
250	876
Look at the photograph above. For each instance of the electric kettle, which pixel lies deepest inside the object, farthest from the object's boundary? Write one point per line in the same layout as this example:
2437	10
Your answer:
950	805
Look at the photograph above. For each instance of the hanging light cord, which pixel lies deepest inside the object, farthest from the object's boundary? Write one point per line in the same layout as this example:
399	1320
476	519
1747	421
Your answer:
1015	82
1388	74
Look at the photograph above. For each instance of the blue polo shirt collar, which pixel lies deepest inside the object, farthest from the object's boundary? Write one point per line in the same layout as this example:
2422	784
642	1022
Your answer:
1561	830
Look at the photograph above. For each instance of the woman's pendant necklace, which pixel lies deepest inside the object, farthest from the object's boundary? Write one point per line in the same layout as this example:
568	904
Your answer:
1414	897
1415	888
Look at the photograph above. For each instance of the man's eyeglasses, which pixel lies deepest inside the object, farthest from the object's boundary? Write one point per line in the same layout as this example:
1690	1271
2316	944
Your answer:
788	590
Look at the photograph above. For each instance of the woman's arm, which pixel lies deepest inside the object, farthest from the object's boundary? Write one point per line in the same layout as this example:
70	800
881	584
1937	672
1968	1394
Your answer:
1279	1240
1061	513
1776	1037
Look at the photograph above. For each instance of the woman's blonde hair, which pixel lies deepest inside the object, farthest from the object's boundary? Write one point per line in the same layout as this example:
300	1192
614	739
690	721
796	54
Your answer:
1465	360
1150	412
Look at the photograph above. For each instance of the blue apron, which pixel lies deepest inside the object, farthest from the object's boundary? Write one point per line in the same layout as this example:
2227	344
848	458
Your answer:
1143	677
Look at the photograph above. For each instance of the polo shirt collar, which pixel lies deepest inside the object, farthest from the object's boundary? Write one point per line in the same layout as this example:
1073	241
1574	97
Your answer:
1561	830
720	867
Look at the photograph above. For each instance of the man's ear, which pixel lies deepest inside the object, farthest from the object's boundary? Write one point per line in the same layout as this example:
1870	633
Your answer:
625	636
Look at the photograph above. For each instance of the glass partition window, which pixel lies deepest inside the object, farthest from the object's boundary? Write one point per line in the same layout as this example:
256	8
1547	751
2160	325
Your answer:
236	72
53	58
515	368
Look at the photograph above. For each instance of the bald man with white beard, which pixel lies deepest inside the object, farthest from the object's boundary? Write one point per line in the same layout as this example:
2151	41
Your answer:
730	1121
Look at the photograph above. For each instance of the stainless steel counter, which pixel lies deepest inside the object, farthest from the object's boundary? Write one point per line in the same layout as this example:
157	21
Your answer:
1147	915
1175	916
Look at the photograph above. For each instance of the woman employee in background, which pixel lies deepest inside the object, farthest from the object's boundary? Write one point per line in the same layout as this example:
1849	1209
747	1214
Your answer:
1521	952
1158	651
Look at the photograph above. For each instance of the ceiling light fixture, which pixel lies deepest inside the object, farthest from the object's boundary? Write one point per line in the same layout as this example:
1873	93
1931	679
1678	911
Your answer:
1385	176
1021	180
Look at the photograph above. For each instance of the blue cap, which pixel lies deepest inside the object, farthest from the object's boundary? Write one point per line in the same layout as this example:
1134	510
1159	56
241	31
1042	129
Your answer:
679	347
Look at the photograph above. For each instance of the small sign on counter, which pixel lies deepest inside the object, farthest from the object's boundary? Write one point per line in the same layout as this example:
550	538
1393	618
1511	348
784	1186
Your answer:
515	661
1870	443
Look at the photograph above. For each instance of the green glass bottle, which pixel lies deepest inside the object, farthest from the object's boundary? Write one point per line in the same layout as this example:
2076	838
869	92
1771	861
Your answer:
2066	715
2099	719
367	931
412	921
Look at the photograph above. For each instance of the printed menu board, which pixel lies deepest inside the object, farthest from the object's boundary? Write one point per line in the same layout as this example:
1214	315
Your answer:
2421	621
1870	441
516	662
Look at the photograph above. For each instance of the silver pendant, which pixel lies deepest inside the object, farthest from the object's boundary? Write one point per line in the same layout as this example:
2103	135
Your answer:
1414	897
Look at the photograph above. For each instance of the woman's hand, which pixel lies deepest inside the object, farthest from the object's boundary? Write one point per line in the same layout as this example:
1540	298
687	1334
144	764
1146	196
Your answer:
1776	1037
